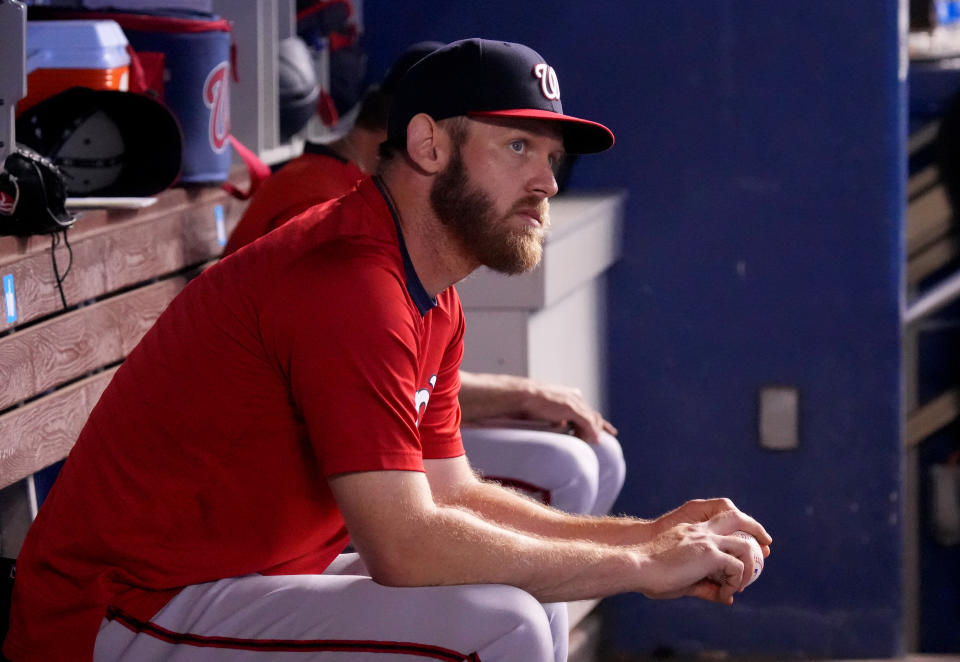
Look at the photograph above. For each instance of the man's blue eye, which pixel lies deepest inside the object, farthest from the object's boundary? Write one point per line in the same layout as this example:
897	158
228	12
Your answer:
517	146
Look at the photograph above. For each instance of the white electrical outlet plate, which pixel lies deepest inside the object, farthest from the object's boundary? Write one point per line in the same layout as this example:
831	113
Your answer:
779	418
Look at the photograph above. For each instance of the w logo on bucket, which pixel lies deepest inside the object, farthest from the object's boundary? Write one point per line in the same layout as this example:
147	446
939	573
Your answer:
216	97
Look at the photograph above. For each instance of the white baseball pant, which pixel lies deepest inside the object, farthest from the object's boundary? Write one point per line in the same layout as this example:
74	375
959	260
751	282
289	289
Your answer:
341	615
559	469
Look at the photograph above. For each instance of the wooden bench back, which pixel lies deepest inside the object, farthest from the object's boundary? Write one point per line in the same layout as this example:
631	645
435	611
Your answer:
127	266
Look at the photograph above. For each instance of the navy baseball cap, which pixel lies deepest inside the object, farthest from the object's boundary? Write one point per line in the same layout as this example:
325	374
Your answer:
485	78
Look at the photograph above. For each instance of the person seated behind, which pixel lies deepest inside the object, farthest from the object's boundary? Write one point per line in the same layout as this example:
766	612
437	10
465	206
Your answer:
540	457
302	393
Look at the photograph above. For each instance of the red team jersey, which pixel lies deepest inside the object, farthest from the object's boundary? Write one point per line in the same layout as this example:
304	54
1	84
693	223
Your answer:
317	175
312	352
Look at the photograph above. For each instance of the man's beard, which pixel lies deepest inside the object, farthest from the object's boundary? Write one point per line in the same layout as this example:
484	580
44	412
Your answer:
472	217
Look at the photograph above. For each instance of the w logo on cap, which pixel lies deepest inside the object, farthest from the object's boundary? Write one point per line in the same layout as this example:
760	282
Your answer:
216	97
549	84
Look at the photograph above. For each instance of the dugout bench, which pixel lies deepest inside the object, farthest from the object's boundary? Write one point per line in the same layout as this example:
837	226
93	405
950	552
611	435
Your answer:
57	359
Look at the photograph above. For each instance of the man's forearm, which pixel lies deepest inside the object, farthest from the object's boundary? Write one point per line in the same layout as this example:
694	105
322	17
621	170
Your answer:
456	546
422	535
409	540
486	396
489	396
507	508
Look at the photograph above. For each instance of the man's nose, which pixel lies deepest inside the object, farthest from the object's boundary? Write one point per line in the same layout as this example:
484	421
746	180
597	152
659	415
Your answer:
544	182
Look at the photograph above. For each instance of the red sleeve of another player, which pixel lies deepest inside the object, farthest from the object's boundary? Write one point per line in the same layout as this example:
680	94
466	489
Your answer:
440	427
345	338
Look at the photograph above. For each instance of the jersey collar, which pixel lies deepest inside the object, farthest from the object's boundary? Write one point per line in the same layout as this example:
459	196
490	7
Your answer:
418	293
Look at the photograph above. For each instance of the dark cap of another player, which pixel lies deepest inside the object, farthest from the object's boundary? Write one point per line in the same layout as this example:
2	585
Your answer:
484	78
375	106
409	57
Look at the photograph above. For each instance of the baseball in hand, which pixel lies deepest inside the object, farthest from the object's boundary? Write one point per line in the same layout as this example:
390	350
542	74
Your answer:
755	551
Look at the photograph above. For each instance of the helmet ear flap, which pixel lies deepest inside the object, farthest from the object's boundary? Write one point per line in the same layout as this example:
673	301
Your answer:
33	195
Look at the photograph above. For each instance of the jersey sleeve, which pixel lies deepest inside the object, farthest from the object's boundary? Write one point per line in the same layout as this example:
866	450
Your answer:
342	333
440	427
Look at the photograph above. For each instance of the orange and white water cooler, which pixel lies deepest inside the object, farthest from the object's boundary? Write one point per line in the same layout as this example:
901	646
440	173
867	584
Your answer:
64	54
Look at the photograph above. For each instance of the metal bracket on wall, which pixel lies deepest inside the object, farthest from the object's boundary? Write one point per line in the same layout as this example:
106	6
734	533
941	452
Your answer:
779	417
931	417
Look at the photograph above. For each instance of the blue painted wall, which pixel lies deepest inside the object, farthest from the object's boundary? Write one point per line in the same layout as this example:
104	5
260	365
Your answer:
762	148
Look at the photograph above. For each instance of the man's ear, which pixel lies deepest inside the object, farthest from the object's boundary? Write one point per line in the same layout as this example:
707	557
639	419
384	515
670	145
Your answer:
428	145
